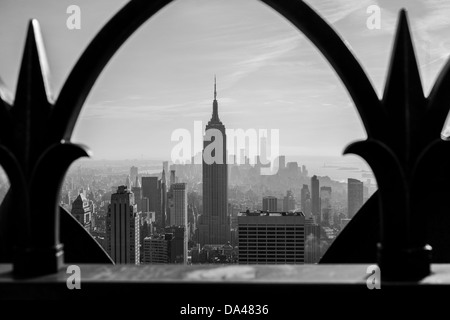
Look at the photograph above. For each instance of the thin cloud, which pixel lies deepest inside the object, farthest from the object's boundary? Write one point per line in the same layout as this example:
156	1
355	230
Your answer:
271	51
335	10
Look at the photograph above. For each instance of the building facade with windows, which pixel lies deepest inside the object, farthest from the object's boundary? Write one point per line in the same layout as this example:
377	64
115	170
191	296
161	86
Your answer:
271	238
123	228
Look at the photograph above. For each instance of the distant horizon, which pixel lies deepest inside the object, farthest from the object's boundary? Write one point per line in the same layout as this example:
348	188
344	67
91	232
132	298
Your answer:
338	168
289	158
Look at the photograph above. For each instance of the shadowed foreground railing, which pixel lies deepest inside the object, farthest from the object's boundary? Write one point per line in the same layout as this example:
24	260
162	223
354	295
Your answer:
293	286
403	142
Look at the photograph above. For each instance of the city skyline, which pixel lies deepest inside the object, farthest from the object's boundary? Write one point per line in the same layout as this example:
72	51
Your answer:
264	66
213	231
210	229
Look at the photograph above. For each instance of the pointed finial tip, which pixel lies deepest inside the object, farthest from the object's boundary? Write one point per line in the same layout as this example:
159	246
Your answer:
215	91
403	23
33	23
403	15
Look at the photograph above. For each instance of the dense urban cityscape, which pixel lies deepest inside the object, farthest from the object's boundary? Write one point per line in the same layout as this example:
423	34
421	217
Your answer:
211	213
299	179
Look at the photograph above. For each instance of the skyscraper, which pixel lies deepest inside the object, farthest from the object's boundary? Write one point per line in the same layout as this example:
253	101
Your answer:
122	228
128	182
315	199
304	171
270	203
214	227
325	205
177	223
163	197
82	211
133	174
355	196
305	201
312	241
158	249
282	162
288	201
178	249
151	189
177	199
137	191
166	171
172	177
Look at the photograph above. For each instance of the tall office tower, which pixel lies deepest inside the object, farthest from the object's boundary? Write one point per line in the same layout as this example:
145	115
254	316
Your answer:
122	228
365	193
145	230
163	197
166	171
292	168
304	171
128	182
178	216
288	202
170	206
137	191
280	203
305	200
315	199
270	203
157	248
325	204
170	200
312	241
151	189
355	196
82	211
145	204
133	173
192	221
214	226
161	216
281	162
178	249
272	238
172	177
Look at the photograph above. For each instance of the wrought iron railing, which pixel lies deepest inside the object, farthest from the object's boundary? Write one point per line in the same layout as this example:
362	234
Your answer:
403	131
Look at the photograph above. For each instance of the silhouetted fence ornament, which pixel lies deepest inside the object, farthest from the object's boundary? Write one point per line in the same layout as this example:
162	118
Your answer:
403	136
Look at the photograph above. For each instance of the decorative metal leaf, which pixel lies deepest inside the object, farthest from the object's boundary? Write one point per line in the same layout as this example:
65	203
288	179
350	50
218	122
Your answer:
31	105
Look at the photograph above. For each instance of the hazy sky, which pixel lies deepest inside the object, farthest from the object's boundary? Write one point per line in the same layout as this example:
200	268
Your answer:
269	75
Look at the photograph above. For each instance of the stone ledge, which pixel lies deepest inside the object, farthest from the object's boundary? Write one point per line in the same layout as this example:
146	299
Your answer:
229	283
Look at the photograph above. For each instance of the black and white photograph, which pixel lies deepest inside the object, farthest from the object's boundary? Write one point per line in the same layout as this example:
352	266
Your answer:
225	158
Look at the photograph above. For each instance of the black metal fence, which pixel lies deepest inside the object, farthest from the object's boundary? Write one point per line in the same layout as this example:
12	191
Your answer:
404	142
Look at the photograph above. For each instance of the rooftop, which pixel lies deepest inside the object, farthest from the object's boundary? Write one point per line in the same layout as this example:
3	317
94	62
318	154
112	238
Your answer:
270	213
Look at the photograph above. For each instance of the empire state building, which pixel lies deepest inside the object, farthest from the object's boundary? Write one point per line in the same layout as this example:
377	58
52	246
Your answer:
214	224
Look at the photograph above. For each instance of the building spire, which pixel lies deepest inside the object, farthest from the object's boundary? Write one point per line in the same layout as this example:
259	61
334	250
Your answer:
215	91
215	115
137	184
